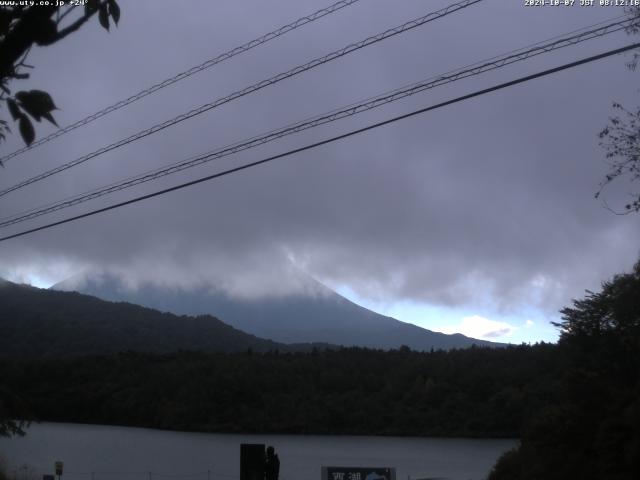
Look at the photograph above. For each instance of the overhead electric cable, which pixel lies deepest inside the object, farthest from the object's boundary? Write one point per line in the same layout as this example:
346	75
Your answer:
253	88
328	140
353	109
187	73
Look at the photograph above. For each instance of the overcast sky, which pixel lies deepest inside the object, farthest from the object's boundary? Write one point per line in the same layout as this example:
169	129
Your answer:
479	217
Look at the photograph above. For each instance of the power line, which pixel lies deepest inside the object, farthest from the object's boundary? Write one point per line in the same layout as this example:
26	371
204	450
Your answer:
353	109
329	140
187	73
253	88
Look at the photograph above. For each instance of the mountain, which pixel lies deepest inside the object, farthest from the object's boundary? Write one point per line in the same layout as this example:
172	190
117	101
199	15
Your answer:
37	323
317	315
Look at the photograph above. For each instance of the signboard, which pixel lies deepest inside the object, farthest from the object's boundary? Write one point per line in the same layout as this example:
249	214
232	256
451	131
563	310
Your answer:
59	466
358	473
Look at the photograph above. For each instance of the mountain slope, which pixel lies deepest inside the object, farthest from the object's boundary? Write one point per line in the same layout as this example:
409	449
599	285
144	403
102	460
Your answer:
46	323
320	315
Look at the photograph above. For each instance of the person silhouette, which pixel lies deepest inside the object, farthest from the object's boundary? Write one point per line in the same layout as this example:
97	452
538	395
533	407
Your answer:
271	464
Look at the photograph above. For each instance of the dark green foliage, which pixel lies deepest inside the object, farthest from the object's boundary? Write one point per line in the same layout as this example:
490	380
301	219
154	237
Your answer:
475	392
114	11
4	129
26	130
21	27
13	109
592	429
614	311
37	103
103	16
45	32
14	413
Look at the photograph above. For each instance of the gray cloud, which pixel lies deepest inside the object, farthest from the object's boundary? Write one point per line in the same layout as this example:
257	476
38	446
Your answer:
486	202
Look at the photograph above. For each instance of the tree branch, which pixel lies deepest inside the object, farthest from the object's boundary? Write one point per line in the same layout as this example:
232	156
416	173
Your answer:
21	37
75	25
61	17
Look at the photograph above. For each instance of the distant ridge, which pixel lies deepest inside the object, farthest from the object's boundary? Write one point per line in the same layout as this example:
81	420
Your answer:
37	323
318	315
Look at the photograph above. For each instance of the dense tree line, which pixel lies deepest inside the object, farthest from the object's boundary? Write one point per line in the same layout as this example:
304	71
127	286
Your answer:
477	392
591	429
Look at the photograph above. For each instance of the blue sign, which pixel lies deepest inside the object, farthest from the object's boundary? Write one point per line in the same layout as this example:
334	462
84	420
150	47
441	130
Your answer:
358	473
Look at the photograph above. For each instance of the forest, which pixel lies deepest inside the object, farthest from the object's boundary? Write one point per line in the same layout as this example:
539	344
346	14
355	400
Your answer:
590	428
476	392
575	405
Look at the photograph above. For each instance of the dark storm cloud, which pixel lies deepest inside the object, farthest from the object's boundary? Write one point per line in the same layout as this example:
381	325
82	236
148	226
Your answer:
487	201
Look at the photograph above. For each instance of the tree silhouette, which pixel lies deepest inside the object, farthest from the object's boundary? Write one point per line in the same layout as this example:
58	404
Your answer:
621	138
22	27
591	428
613	310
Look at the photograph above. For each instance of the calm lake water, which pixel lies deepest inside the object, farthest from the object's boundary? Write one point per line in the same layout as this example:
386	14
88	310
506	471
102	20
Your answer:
95	452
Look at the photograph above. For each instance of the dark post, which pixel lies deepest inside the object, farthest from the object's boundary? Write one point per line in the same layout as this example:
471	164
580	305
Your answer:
58	467
252	457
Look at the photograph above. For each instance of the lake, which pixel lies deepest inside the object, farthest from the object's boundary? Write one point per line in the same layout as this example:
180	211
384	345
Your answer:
96	452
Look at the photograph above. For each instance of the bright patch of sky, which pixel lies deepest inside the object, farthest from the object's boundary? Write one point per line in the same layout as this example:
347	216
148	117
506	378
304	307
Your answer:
41	275
529	326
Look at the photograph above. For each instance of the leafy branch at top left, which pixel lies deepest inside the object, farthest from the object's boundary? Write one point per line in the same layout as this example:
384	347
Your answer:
22	27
